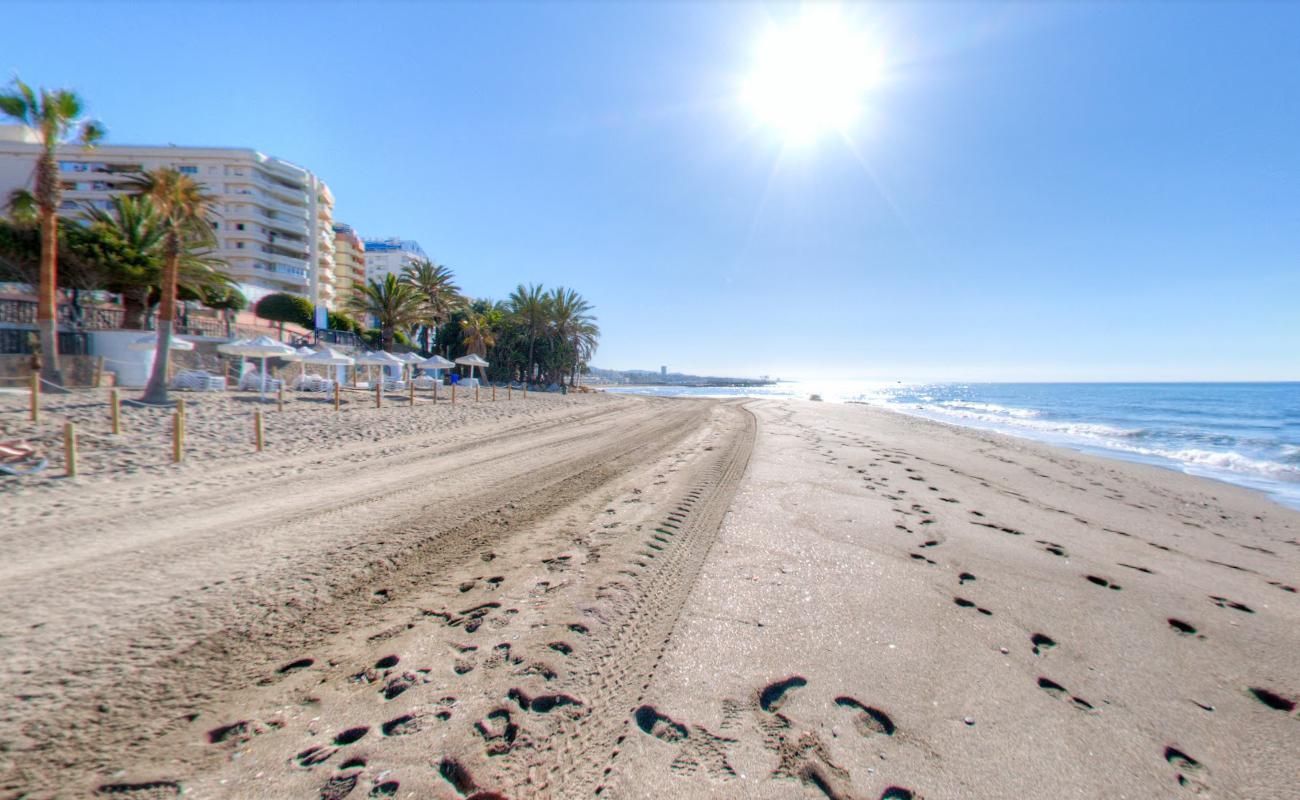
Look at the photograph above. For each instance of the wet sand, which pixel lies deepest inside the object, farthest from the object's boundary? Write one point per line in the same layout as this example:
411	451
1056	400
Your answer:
637	597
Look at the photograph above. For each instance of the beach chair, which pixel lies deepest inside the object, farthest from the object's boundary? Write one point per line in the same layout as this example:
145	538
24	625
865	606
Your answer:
251	381
197	380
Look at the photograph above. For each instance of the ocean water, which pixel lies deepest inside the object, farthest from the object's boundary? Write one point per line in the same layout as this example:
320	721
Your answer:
1242	433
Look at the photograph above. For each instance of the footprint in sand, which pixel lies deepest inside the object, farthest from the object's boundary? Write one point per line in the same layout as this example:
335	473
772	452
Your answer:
151	790
1103	582
1272	699
698	749
869	721
1058	691
1042	643
1223	602
803	756
1190	772
964	603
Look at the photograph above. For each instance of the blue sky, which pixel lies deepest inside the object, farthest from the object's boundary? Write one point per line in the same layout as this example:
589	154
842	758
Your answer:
1034	191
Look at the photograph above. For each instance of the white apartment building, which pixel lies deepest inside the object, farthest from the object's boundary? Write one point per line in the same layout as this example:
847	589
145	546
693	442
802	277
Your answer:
275	219
390	256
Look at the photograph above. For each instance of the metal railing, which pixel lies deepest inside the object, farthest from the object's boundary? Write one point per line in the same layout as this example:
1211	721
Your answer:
339	338
18	341
23	312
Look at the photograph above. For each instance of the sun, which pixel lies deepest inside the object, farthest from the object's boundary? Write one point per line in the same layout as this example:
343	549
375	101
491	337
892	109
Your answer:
811	77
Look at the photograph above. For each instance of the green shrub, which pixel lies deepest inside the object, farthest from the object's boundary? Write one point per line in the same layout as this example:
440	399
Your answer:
286	308
338	321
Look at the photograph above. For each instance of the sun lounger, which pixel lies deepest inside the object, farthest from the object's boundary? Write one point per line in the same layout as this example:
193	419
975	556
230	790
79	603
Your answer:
251	381
313	383
198	380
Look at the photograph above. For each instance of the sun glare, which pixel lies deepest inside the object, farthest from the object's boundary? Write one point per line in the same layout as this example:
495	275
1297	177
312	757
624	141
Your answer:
810	78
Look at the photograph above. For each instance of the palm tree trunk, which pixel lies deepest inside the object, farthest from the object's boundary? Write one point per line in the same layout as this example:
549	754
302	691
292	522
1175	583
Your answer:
47	313
135	302
531	339
156	391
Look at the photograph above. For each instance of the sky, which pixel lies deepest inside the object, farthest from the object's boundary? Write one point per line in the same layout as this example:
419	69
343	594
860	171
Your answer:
1055	191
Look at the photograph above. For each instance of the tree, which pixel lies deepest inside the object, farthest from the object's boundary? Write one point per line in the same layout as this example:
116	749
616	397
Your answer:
479	329
529	307
54	116
185	211
282	308
571	326
392	303
228	300
338	321
441	296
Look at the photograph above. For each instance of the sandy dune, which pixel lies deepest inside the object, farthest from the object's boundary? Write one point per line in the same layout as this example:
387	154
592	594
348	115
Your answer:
629	597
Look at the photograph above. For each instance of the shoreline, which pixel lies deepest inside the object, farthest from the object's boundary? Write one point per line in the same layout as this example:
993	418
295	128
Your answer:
699	598
1284	493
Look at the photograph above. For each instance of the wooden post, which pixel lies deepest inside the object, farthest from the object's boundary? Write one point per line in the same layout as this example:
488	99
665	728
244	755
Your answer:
436	381
510	392
525	391
257	429
494	392
115	412
36	397
336	395
453	394
69	450
180	407
476	393
379	402
279	398
411	388
178	437
99	370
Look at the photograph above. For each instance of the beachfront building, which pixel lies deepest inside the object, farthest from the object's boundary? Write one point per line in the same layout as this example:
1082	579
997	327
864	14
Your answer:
275	226
349	263
390	256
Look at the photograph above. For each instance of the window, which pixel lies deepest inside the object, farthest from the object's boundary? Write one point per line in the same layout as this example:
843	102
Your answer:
239	245
239	226
188	170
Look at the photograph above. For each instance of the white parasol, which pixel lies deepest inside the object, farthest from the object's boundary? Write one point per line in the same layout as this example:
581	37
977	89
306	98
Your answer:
262	347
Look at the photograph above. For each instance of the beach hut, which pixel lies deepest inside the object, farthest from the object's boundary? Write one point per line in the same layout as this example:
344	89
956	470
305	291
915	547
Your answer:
262	347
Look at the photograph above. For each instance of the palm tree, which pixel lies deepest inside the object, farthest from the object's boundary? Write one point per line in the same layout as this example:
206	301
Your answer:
135	270
479	329
441	295
392	303
185	212
571	325
529	306
54	116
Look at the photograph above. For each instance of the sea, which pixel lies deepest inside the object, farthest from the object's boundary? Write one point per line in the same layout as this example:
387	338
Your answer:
1241	433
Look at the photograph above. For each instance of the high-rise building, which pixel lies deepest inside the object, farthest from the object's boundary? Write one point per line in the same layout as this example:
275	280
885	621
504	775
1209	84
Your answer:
390	256
274	225
349	262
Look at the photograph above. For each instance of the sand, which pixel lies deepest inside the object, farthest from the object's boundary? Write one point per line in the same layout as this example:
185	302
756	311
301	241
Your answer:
635	597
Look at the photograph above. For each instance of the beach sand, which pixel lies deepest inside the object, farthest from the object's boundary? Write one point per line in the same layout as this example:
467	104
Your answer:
635	597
